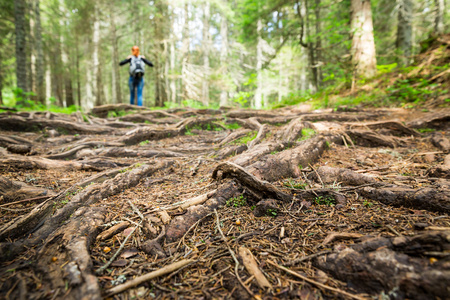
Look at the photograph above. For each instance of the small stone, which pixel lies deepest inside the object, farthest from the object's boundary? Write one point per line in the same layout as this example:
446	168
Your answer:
266	207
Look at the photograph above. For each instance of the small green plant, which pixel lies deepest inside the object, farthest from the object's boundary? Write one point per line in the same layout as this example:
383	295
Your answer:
307	133
252	207
247	138
237	201
233	126
274	152
143	143
367	204
325	200
295	185
272	212
424	130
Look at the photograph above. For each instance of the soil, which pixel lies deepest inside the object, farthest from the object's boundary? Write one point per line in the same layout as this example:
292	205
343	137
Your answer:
354	204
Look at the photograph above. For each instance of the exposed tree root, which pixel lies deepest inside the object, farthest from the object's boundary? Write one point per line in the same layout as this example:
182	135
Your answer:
330	175
294	130
396	267
370	138
262	188
15	190
248	157
394	127
288	163
433	199
17	163
65	261
103	110
17	123
90	195
234	136
180	224
439	120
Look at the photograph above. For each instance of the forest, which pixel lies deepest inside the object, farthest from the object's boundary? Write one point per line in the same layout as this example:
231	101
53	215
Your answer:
283	149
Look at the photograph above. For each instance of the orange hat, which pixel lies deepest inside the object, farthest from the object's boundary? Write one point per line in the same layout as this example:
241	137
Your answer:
135	51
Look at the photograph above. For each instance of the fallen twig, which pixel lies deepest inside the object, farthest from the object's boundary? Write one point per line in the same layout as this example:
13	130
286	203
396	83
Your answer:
316	283
138	280
236	262
101	269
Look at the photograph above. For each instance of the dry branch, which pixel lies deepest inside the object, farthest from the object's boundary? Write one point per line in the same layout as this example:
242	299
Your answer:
141	279
252	267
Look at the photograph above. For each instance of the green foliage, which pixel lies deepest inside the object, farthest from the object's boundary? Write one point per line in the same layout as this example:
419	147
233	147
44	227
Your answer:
143	143
295	185
236	201
424	130
383	69
367	204
247	138
307	133
292	98
413	90
232	126
272	212
325	200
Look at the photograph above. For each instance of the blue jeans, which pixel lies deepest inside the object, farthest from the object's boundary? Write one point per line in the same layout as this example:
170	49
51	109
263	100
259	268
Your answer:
136	84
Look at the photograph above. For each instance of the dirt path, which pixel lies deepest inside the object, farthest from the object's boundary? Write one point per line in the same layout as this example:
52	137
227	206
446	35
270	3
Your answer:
205	204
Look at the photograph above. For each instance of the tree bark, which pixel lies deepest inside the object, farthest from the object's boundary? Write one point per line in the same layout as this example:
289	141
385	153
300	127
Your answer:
40	84
224	55
185	52
259	58
95	60
404	31
21	54
117	95
206	49
439	19
363	44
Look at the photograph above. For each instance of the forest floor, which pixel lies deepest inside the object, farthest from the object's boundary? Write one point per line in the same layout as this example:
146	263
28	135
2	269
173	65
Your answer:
238	204
132	203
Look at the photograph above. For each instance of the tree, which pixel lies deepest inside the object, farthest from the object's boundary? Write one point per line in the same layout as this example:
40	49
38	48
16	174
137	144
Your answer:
39	80
404	31
363	44
439	18
21	54
206	49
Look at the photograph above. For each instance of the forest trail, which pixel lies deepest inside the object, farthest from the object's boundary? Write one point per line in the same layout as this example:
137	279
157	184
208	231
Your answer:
205	204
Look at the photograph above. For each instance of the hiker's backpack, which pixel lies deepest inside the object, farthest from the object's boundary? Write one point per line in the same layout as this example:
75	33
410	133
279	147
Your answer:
137	69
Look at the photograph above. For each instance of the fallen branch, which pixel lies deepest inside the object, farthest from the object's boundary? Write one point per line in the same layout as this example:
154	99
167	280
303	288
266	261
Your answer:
252	267
317	283
141	279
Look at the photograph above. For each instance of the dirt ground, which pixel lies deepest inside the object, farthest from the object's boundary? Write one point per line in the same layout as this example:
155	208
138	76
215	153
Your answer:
381	230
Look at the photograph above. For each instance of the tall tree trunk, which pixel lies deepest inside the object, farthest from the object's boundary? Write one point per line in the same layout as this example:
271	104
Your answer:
173	83
65	71
318	46
404	31
206	50
21	54
439	18
309	45
224	56
117	94
40	84
32	48
167	69
48	83
259	61
363	44
185	52
160	23
95	59
77	64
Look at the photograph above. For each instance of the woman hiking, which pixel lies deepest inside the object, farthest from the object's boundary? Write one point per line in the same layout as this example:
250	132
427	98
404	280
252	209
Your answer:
137	70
